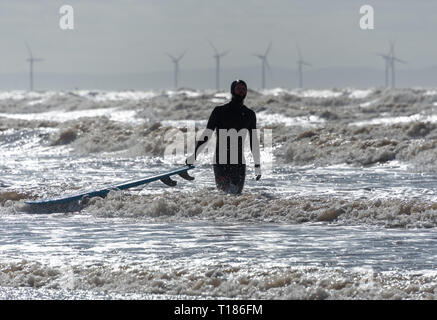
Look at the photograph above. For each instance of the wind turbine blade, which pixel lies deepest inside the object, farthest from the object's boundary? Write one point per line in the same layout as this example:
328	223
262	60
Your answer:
268	65
28	49
181	56
258	55
223	53
392	46
170	56
299	54
306	63
268	49
399	60
269	69
384	56
213	47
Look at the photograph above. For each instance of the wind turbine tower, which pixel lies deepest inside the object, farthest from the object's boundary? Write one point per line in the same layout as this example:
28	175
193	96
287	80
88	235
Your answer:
389	61
386	58
176	67
393	59
217	57
300	64
264	64
31	61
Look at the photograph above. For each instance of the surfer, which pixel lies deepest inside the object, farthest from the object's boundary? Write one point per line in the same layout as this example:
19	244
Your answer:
233	122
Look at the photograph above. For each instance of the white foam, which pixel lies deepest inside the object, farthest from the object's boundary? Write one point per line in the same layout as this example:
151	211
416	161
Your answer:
368	103
275	118
360	94
188	93
430	93
303	93
95	95
183	123
118	95
221	97
395	120
22	95
277	92
31	279
114	114
321	94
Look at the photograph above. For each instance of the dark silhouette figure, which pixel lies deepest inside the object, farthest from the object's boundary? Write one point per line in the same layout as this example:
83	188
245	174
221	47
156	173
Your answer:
232	123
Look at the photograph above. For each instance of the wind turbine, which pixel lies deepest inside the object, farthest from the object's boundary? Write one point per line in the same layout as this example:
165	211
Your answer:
31	61
393	59
389	60
265	64
386	58
176	67
300	64
217	57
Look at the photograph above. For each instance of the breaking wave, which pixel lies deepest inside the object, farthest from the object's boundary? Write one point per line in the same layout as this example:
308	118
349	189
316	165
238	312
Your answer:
253	207
310	127
318	128
215	281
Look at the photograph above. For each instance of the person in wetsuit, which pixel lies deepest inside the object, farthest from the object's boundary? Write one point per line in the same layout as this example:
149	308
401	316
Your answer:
232	122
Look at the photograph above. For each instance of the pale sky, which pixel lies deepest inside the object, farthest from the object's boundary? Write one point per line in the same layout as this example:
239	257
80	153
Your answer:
133	35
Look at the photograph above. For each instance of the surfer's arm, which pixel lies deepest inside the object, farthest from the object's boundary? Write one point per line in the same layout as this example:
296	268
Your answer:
204	138
254	146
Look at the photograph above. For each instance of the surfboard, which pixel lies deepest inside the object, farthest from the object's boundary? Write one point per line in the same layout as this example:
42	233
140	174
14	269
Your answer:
164	177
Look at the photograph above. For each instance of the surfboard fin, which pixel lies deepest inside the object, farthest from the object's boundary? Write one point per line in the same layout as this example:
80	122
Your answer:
169	181
186	176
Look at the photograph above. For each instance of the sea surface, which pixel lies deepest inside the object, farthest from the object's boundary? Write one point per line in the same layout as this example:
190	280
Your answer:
346	207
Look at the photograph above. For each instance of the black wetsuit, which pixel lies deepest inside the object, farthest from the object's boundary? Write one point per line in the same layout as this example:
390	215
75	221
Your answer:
230	169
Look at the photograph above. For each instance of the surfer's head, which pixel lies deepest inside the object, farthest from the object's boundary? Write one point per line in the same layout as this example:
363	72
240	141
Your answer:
238	90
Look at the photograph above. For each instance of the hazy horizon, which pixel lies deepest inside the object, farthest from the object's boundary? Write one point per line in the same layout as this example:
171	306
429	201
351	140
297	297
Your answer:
205	79
118	38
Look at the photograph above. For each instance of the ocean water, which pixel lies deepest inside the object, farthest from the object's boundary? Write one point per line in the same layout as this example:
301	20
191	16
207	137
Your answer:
346	207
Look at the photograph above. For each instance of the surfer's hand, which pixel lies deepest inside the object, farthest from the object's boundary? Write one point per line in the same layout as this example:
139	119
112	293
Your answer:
258	172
